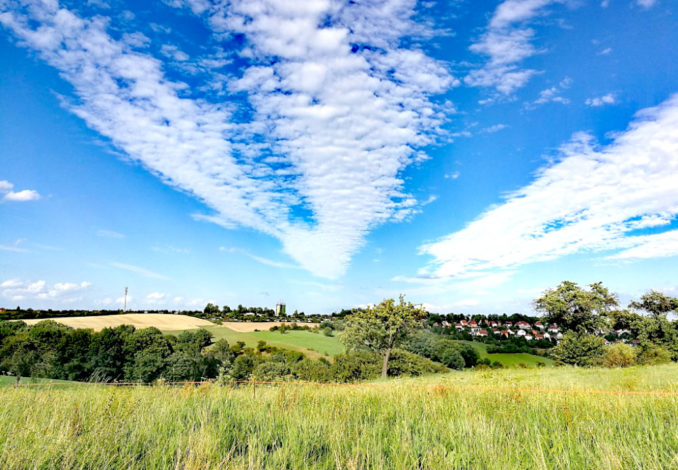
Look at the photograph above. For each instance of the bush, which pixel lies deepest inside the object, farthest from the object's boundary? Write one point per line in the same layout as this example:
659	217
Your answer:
312	371
620	355
653	354
355	366
452	358
579	349
271	371
242	367
406	363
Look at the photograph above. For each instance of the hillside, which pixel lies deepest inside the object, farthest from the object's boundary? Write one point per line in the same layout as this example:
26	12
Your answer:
492	419
314	345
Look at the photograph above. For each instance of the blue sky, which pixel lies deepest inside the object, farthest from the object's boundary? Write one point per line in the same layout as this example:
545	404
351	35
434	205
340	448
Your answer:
330	153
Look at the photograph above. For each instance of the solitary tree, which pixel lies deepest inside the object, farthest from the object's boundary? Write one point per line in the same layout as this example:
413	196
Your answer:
575	308
381	328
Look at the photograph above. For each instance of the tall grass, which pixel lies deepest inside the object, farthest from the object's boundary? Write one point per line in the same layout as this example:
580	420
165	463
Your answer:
402	424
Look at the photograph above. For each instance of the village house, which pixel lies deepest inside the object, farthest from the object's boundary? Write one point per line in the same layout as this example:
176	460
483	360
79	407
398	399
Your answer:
523	325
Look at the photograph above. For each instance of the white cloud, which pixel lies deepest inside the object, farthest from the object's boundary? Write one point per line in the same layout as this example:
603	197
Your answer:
646	3
453	175
591	200
553	94
17	289
109	234
651	246
345	174
24	195
507	42
492	129
601	100
136	269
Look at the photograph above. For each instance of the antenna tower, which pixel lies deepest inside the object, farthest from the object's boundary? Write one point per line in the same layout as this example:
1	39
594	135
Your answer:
124	308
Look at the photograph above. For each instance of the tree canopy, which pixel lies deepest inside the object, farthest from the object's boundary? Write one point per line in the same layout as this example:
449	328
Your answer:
575	308
381	328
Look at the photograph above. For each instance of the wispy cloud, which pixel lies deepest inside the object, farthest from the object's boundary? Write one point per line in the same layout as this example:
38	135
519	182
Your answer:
552	94
15	247
109	234
646	3
138	270
507	42
601	100
6	189
591	200
340	105
259	259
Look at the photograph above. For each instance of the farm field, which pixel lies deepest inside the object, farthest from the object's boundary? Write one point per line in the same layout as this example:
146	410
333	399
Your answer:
509	359
165	322
470	419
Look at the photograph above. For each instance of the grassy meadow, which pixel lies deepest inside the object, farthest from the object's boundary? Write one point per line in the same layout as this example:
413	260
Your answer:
314	345
509	359
431	422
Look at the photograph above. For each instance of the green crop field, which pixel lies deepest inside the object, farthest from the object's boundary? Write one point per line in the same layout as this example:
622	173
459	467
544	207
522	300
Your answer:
509	359
314	345
471	419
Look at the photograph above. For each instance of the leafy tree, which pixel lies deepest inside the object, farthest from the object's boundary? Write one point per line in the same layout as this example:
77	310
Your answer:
194	341
579	349
221	351
242	367
211	308
656	304
108	355
576	309
381	328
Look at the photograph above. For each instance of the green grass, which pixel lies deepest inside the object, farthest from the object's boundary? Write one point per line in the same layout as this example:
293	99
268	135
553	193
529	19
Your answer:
326	345
399	424
6	381
314	345
509	360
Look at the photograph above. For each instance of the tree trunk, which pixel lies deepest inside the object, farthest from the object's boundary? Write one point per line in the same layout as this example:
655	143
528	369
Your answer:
384	366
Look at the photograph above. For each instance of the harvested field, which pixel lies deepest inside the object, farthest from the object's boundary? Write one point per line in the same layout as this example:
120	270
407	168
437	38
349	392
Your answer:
160	321
248	327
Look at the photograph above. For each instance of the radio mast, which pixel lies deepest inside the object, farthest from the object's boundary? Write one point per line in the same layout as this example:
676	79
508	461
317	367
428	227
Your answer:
124	308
